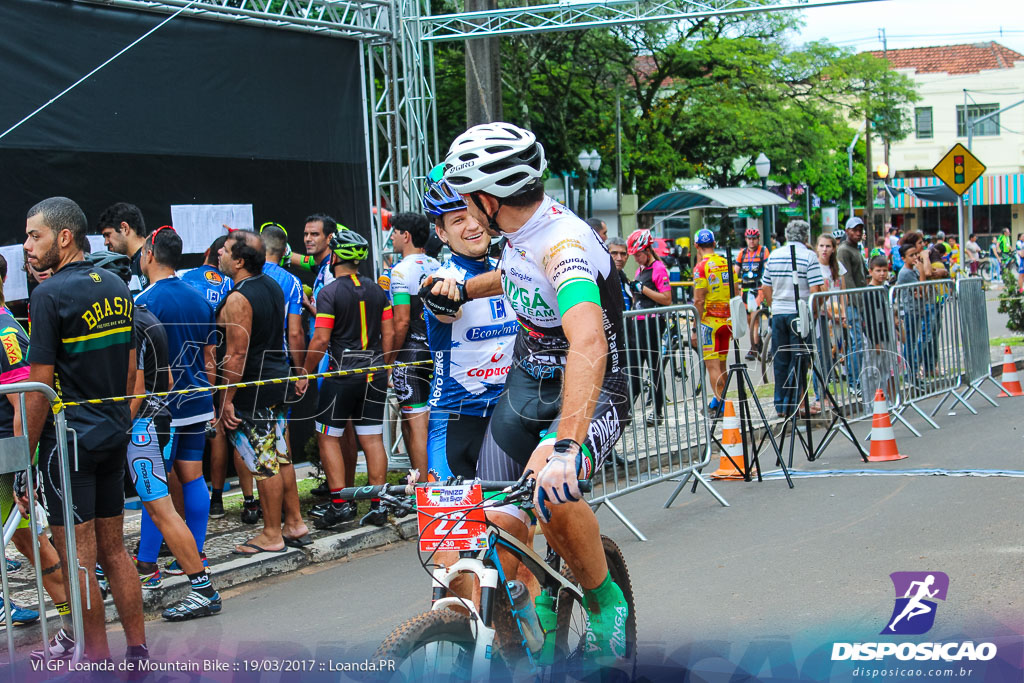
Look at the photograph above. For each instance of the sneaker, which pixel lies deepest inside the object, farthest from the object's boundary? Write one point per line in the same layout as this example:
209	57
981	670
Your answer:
61	646
216	509
251	512
335	515
151	581
193	606
101	579
21	616
654	420
752	353
172	568
321	491
376	517
606	630
12	565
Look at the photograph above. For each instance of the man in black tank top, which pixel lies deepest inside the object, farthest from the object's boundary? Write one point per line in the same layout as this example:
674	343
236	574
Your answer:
250	319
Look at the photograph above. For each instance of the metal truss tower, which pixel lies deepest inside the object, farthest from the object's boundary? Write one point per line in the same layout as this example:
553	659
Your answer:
397	67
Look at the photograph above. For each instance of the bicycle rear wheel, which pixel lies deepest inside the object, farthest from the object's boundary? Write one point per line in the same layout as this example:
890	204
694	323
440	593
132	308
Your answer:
433	646
570	636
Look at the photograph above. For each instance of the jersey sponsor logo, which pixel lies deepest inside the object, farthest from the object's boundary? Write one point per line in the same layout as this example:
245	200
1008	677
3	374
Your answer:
95	277
111	307
497	308
519	275
213	277
482	332
498	355
485	374
532	303
559	247
605	430
12	348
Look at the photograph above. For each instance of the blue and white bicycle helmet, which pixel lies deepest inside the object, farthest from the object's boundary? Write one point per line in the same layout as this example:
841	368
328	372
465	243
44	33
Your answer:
440	197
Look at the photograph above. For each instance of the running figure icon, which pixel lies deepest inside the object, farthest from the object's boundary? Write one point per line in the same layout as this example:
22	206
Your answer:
915	607
917	593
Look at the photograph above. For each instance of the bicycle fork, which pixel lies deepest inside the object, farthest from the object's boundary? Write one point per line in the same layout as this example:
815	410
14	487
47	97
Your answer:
481	623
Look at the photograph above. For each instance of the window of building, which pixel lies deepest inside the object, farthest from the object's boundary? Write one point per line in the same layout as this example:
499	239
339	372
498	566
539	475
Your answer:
923	123
986	127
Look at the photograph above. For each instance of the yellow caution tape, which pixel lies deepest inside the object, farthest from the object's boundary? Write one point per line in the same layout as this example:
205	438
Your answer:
57	406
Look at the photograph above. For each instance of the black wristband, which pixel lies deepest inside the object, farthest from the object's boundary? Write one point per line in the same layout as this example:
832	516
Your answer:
565	446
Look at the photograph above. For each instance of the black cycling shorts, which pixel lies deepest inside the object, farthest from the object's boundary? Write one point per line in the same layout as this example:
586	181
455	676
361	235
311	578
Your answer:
460	445
97	485
360	398
412	384
529	410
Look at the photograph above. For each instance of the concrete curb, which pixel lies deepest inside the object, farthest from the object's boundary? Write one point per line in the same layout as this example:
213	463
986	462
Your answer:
247	569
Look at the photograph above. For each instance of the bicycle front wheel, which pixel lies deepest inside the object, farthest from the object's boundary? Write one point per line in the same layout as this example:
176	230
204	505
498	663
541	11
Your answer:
433	646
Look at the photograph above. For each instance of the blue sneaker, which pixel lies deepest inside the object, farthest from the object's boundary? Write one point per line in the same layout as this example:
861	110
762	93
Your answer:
172	568
12	565
21	616
101	579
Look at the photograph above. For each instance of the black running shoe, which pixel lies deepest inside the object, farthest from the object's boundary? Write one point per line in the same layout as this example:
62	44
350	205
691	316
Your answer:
216	509
193	606
251	512
376	517
335	515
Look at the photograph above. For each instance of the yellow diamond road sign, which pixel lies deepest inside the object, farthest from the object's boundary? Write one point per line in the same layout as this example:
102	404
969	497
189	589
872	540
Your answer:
959	169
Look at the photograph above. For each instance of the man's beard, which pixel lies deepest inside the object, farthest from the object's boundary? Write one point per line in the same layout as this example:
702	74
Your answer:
50	259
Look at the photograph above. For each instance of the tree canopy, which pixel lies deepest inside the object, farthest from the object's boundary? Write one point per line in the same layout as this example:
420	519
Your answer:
699	99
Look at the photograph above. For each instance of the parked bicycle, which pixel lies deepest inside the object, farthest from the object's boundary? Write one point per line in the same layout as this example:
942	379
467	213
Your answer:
505	634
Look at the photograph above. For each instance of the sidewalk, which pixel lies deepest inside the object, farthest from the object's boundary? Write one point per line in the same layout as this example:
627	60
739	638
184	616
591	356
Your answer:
228	570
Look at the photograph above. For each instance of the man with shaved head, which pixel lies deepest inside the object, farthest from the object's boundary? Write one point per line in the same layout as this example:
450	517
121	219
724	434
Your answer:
251	319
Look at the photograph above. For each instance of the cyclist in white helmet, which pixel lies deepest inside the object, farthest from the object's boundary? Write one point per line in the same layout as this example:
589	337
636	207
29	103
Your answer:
565	399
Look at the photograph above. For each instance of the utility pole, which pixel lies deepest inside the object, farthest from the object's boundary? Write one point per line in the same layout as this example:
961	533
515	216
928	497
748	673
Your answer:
869	204
966	209
887	212
618	155
483	73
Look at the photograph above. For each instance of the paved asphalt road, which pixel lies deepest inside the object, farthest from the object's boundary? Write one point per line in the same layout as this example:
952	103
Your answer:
800	568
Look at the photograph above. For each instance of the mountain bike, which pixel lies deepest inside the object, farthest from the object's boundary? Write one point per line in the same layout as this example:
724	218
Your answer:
680	362
762	323
460	639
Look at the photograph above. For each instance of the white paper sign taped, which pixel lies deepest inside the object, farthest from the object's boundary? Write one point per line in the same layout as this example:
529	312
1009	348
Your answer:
16	286
96	242
200	224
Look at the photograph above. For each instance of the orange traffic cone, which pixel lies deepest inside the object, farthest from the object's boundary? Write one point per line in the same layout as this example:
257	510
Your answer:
883	440
1010	381
732	445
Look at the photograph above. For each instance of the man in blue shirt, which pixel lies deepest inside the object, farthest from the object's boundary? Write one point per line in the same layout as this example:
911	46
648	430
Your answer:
214	285
188	320
207	279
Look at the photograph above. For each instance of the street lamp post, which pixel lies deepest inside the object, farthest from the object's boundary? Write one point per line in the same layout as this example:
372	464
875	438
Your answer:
591	162
763	165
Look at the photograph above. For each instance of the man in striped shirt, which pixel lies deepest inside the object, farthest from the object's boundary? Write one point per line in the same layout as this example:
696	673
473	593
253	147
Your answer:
777	286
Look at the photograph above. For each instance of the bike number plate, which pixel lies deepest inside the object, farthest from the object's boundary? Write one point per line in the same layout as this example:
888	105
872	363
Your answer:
450	518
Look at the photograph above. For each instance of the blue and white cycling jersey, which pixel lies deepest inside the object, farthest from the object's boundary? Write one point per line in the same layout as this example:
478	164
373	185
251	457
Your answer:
210	282
472	356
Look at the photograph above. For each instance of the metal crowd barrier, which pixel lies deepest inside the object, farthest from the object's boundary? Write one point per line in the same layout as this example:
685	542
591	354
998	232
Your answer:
15	458
664	369
970	294
931	343
855	353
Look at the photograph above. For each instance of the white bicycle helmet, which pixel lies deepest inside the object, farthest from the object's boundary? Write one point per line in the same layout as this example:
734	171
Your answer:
497	158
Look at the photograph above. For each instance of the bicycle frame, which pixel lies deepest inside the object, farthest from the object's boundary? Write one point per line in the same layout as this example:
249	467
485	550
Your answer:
486	566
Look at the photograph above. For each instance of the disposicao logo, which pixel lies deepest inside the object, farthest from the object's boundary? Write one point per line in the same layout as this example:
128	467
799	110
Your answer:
914	614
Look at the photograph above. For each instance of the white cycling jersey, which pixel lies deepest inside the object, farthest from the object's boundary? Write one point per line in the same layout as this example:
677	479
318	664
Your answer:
407	277
550	264
471	356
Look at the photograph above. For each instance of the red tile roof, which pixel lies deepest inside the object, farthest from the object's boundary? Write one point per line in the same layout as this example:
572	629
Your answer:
953	59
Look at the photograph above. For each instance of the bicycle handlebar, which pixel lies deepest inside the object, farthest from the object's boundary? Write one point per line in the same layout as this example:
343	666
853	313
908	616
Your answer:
409	490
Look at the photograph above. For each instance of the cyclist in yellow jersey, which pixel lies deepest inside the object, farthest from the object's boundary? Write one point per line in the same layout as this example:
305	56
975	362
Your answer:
711	297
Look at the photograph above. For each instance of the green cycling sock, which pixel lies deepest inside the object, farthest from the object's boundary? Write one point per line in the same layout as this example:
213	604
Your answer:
605	595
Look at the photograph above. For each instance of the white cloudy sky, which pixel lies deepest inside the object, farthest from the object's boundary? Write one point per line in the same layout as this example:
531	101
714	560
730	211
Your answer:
918	23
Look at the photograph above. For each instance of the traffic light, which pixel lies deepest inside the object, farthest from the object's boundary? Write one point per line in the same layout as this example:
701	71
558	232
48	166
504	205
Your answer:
958	168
